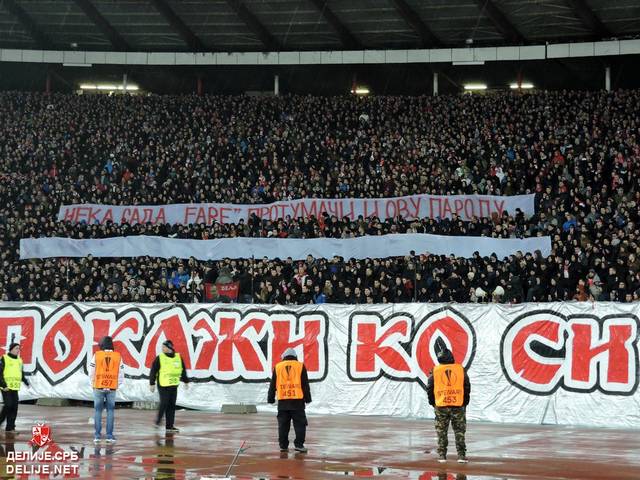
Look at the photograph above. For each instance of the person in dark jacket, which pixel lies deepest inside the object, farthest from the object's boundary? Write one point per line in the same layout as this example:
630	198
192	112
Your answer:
11	378
448	390
290	383
168	370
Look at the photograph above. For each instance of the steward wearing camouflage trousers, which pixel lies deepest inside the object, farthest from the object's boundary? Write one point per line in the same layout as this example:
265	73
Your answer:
448	390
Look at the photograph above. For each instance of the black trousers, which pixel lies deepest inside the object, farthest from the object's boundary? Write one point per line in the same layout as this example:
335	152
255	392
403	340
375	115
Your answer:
9	409
299	419
168	396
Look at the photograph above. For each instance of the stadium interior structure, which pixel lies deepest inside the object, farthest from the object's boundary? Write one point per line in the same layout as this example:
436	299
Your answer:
358	180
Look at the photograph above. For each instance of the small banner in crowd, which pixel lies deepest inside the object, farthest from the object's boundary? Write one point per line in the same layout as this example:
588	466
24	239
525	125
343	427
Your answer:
557	363
229	290
381	246
409	207
213	291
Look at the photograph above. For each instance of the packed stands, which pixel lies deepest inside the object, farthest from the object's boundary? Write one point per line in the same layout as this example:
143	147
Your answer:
577	151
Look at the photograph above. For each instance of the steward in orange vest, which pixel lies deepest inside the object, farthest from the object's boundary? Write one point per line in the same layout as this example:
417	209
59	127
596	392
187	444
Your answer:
290	383
448	390
106	375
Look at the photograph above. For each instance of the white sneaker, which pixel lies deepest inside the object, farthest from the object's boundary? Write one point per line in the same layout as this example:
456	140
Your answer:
97	440
463	460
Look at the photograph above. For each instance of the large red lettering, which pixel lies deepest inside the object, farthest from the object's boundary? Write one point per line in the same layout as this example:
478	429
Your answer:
390	209
454	331
135	216
189	212
378	348
172	326
69	214
403	208
123	332
533	368
81	213
19	326
108	216
370	211
63	344
93	216
161	218
542	351
284	336
240	337
484	202
433	213
612	350
202	216
206	347
415	203
458	206
446	209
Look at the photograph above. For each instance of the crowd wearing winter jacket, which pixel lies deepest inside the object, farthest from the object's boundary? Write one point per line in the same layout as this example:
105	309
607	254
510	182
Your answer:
578	152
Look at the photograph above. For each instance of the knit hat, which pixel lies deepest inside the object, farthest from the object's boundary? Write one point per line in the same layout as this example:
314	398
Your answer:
106	343
12	346
289	352
443	354
169	345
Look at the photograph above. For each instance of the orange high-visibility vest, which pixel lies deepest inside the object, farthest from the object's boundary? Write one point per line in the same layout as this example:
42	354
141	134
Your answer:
107	370
289	378
448	385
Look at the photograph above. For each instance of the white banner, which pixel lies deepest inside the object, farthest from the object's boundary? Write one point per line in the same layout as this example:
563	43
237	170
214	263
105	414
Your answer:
413	206
561	363
215	249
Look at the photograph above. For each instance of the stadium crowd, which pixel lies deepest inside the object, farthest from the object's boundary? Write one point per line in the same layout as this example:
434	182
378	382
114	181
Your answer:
577	151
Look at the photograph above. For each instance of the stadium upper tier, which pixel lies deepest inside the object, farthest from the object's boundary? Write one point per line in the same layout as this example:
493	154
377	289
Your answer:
577	152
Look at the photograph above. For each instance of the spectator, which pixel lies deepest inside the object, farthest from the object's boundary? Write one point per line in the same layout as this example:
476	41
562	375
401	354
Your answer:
586	184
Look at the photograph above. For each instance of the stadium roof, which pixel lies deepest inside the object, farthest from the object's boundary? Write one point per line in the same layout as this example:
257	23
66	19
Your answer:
272	25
